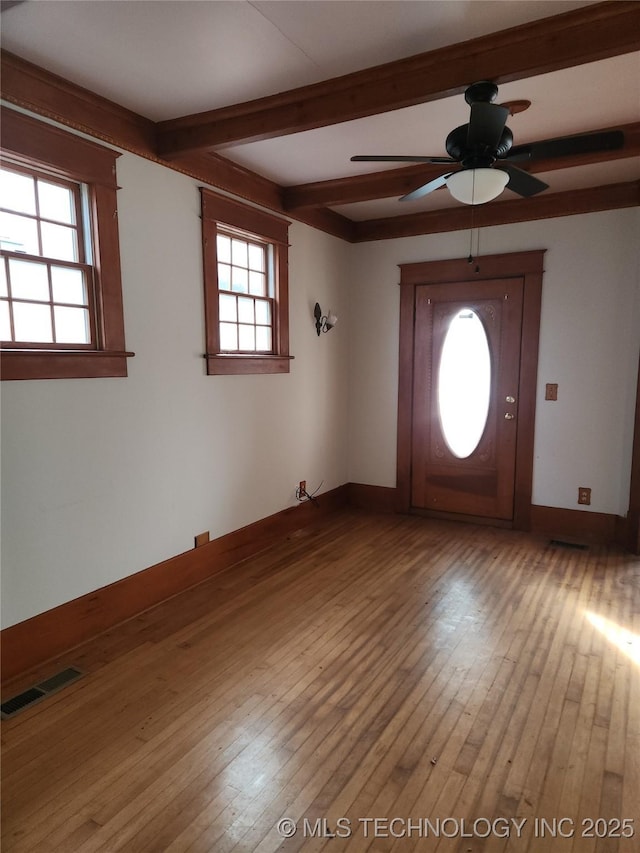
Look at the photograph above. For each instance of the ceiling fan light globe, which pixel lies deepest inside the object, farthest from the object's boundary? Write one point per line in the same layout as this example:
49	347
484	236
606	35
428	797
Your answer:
477	186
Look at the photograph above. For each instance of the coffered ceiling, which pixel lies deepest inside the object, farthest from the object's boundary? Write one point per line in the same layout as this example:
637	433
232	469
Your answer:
269	100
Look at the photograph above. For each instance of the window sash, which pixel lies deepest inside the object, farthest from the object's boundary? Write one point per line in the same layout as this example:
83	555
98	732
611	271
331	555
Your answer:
50	318
87	304
227	323
76	191
269	271
244	334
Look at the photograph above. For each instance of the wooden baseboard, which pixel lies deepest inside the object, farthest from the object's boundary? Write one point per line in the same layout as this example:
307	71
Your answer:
588	527
49	634
373	498
578	525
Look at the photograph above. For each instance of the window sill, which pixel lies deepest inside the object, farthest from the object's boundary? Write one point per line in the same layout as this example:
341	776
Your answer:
61	364
234	365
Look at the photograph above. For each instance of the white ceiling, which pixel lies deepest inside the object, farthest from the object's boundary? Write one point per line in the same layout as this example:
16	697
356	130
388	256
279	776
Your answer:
168	58
165	59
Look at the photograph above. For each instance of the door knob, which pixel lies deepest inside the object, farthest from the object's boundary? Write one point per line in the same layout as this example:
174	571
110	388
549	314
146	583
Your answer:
508	416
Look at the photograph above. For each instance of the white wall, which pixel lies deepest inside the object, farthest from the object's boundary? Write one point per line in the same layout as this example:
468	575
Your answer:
102	478
105	477
589	341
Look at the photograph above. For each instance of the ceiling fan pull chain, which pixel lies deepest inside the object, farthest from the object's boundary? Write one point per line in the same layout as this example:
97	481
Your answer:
470	258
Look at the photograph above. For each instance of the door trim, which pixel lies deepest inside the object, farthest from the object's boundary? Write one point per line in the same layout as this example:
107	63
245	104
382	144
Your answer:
633	517
526	265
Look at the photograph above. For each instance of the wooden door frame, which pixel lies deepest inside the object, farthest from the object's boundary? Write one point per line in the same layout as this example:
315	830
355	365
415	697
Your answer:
526	265
633	518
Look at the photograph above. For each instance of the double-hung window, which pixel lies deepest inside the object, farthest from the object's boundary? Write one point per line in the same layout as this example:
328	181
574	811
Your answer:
60	290
46	272
245	299
246	288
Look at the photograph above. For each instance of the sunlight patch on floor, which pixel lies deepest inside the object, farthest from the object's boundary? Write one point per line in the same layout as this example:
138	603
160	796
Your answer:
625	640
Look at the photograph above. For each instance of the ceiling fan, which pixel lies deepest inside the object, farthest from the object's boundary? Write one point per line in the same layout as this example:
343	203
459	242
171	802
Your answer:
485	152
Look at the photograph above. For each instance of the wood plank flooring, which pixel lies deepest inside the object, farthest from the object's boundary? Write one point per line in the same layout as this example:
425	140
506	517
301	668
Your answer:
397	683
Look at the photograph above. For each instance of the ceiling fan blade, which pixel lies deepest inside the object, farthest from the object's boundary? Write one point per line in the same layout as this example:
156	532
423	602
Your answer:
486	125
565	146
425	189
390	158
522	182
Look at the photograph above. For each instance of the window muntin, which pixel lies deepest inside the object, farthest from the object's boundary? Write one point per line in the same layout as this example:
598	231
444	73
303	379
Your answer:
45	283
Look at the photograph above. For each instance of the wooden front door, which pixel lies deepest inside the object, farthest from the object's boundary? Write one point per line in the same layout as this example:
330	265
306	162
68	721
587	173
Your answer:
489	475
465	411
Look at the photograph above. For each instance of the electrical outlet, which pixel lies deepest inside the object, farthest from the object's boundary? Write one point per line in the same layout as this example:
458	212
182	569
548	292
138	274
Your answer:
584	495
302	487
201	539
551	391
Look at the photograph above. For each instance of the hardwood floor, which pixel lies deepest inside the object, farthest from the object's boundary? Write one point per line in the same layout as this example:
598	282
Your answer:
454	682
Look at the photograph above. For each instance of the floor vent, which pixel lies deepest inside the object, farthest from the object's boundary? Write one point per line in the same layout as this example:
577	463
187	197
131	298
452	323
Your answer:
562	543
39	691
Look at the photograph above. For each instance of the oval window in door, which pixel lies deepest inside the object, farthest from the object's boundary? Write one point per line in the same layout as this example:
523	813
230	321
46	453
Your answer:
464	383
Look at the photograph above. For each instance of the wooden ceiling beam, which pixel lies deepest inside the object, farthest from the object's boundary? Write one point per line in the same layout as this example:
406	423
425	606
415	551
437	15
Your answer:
385	184
33	88
544	206
584	35
30	87
397	182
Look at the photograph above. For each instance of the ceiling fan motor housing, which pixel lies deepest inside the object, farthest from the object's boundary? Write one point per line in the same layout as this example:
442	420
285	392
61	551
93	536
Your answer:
477	157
